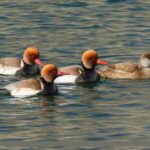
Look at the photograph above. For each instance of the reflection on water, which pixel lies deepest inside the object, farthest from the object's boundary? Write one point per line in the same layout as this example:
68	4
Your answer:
108	114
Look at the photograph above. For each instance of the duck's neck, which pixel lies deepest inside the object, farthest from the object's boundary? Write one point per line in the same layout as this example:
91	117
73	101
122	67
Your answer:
145	63
87	75
29	69
45	82
48	87
87	70
143	66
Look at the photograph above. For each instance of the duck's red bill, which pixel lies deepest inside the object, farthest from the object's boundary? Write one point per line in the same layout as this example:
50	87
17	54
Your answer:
60	73
39	62
101	62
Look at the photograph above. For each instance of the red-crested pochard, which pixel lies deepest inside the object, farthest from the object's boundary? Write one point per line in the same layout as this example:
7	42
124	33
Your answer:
84	73
43	85
128	70
25	66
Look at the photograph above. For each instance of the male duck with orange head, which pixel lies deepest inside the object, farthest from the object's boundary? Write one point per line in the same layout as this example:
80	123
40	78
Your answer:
84	73
43	85
25	66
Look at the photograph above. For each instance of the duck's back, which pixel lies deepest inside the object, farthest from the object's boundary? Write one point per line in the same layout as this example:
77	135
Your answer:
125	70
72	70
10	61
28	83
127	67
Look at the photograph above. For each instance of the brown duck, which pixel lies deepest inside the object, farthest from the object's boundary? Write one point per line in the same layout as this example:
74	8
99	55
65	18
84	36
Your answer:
128	70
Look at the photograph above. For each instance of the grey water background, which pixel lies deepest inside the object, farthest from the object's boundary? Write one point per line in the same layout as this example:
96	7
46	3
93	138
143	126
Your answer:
110	114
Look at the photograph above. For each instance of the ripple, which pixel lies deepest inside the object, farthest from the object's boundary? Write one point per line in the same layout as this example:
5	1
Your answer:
116	1
73	4
111	113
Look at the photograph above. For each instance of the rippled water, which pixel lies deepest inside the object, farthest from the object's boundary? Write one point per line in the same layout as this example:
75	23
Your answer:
112	114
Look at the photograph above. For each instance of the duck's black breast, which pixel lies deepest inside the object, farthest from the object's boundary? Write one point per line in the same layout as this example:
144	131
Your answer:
88	76
48	88
29	70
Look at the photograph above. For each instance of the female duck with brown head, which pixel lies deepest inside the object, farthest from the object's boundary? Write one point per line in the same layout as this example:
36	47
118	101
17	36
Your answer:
25	66
128	70
84	73
43	85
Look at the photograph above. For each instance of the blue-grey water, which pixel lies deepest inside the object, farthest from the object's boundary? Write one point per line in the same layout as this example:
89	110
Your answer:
110	114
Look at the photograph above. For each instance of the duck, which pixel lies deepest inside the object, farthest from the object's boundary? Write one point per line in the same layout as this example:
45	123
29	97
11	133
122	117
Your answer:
43	85
25	66
128	70
84	73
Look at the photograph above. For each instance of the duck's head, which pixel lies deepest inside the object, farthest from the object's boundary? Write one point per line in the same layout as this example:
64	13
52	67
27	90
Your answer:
145	60
31	56
49	73
90	59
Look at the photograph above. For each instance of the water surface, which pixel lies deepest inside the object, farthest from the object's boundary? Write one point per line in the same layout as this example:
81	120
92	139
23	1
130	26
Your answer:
112	114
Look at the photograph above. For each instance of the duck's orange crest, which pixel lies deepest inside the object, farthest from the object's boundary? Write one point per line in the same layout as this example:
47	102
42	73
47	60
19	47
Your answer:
89	54
48	69
31	51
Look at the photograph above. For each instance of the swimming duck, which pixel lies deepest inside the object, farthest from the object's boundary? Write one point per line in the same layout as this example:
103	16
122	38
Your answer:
43	85
25	66
128	70
84	73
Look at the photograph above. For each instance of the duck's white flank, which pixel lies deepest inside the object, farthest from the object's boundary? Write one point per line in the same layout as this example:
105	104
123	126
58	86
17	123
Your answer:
65	79
24	92
17	91
10	70
7	70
